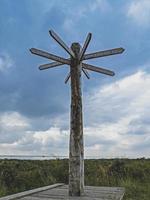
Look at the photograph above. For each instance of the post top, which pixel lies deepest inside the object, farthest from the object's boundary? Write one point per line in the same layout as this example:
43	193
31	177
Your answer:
75	44
75	48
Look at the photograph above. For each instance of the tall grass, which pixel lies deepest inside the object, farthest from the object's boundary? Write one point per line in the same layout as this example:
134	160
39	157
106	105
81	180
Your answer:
134	175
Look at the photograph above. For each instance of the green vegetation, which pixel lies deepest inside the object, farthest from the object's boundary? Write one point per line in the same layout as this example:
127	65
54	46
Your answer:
134	175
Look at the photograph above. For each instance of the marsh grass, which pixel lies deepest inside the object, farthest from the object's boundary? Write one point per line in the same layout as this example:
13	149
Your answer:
133	174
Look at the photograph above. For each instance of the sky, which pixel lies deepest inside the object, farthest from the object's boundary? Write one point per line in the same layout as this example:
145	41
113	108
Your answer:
35	105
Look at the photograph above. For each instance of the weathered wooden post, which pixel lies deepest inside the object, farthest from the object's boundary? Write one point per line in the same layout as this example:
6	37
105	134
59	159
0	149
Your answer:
76	146
76	153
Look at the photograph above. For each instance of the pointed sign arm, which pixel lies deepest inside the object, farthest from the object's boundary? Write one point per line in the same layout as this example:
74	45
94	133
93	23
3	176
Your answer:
103	53
49	56
67	78
50	65
87	41
61	42
86	73
98	69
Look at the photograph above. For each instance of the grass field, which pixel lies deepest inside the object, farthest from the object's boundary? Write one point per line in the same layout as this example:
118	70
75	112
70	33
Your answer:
133	174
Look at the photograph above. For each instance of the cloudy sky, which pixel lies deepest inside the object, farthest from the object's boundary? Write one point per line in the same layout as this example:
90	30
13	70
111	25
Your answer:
35	105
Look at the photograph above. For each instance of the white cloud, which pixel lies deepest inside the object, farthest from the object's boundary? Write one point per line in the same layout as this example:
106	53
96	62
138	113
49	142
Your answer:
51	136
99	5
12	127
118	117
13	120
78	13
5	62
130	94
17	137
139	12
117	123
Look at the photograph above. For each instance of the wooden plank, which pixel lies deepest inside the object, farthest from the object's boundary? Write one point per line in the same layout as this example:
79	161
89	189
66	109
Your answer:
98	54
30	192
98	69
103	193
45	54
36	198
61	42
61	192
87	41
50	65
90	193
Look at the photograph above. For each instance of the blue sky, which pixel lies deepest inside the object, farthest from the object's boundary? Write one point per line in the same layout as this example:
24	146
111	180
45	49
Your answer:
35	105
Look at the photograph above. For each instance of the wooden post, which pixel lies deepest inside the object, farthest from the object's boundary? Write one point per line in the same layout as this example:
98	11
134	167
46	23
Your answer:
76	153
76	147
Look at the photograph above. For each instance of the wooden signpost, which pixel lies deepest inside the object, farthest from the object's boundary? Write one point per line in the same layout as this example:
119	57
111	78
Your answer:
77	55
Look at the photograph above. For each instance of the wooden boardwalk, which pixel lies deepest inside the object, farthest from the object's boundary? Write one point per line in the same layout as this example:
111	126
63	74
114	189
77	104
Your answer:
60	192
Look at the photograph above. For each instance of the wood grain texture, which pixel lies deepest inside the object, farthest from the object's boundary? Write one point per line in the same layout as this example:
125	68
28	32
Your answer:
98	69
61	42
61	192
50	56
50	65
30	192
76	153
86	43
104	53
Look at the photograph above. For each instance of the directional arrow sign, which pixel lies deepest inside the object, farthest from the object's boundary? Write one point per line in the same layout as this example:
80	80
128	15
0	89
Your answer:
49	56
50	65
85	46
98	69
103	53
61	42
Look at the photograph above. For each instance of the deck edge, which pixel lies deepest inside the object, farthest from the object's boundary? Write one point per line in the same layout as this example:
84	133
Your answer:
123	193
29	192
